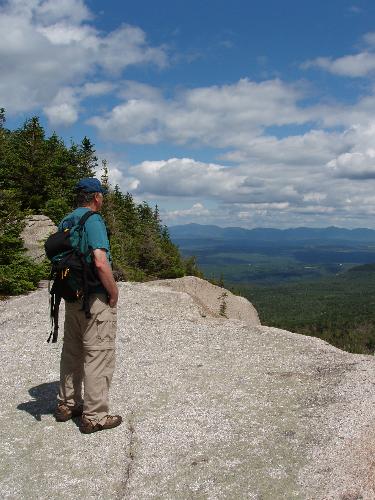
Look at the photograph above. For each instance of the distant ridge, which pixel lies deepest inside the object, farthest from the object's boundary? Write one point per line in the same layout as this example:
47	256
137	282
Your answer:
298	234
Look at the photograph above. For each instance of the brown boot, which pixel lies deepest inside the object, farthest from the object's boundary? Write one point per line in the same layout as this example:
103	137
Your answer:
64	412
87	426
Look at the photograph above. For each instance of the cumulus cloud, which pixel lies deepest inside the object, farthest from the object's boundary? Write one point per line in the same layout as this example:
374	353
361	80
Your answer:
65	106
218	116
63	109
246	194
47	46
49	11
186	177
275	181
198	210
312	148
355	165
358	162
357	65
271	192
354	65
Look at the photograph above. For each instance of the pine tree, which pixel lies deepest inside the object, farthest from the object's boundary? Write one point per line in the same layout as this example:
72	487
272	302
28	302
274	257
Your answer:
30	171
88	160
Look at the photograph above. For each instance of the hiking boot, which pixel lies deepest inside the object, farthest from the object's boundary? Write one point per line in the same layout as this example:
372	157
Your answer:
64	412
87	426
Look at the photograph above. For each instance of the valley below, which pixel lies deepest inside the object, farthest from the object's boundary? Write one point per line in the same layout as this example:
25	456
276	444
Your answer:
318	282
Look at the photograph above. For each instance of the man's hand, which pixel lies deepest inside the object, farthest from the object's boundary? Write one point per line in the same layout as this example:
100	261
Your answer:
105	275
113	301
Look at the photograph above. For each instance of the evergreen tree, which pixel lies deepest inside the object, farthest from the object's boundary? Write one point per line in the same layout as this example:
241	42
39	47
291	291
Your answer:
17	273
88	161
31	175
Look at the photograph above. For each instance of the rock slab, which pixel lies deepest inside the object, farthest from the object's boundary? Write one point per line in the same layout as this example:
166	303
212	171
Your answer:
213	300
36	231
214	408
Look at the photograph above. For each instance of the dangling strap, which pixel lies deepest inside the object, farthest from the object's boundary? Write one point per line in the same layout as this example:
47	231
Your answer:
86	299
55	306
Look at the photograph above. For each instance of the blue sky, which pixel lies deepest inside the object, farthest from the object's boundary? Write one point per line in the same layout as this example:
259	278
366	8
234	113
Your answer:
232	113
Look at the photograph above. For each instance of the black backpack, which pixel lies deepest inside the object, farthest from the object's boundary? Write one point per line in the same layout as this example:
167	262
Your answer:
73	277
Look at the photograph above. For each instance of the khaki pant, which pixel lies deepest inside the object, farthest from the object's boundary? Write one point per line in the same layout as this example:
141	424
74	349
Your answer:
88	356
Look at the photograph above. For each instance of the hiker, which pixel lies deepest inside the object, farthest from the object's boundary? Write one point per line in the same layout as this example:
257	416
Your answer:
88	353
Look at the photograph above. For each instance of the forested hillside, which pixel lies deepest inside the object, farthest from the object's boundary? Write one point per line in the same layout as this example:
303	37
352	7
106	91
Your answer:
339	309
37	176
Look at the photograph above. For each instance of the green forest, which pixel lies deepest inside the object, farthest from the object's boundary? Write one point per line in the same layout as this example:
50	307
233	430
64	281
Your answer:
38	175
339	310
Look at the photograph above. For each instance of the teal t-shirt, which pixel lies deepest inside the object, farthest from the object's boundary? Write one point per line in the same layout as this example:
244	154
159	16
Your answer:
94	234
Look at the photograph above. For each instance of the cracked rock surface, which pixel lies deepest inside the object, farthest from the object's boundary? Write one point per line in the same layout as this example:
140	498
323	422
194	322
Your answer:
213	407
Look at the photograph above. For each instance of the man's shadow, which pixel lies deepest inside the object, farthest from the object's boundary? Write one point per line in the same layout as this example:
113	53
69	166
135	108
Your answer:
44	400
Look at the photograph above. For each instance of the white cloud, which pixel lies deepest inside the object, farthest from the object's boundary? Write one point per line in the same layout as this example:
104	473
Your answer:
50	11
354	65
196	211
218	116
63	110
47	46
179	178
312	148
63	34
277	195
125	46
355	165
62	113
358	161
97	88
320	173
186	177
358	65
314	196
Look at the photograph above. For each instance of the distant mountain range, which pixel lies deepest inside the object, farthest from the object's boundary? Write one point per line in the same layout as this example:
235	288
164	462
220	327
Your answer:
265	255
268	235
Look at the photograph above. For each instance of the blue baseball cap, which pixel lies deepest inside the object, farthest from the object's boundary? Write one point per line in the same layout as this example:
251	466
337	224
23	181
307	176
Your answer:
90	185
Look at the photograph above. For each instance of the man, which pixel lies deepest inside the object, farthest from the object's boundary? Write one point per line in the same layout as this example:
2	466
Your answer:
88	353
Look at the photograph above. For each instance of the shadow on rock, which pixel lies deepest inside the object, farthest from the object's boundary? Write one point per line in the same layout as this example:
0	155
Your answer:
43	402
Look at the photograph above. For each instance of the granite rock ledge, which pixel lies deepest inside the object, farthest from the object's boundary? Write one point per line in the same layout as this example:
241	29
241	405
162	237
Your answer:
214	408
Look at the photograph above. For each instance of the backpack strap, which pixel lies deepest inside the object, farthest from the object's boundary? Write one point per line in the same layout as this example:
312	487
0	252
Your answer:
84	218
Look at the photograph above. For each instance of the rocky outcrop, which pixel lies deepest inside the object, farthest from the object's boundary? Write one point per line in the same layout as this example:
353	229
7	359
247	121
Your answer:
213	300
214	408
34	234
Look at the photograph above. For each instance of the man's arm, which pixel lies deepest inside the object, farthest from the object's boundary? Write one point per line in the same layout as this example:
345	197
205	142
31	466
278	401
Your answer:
105	275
